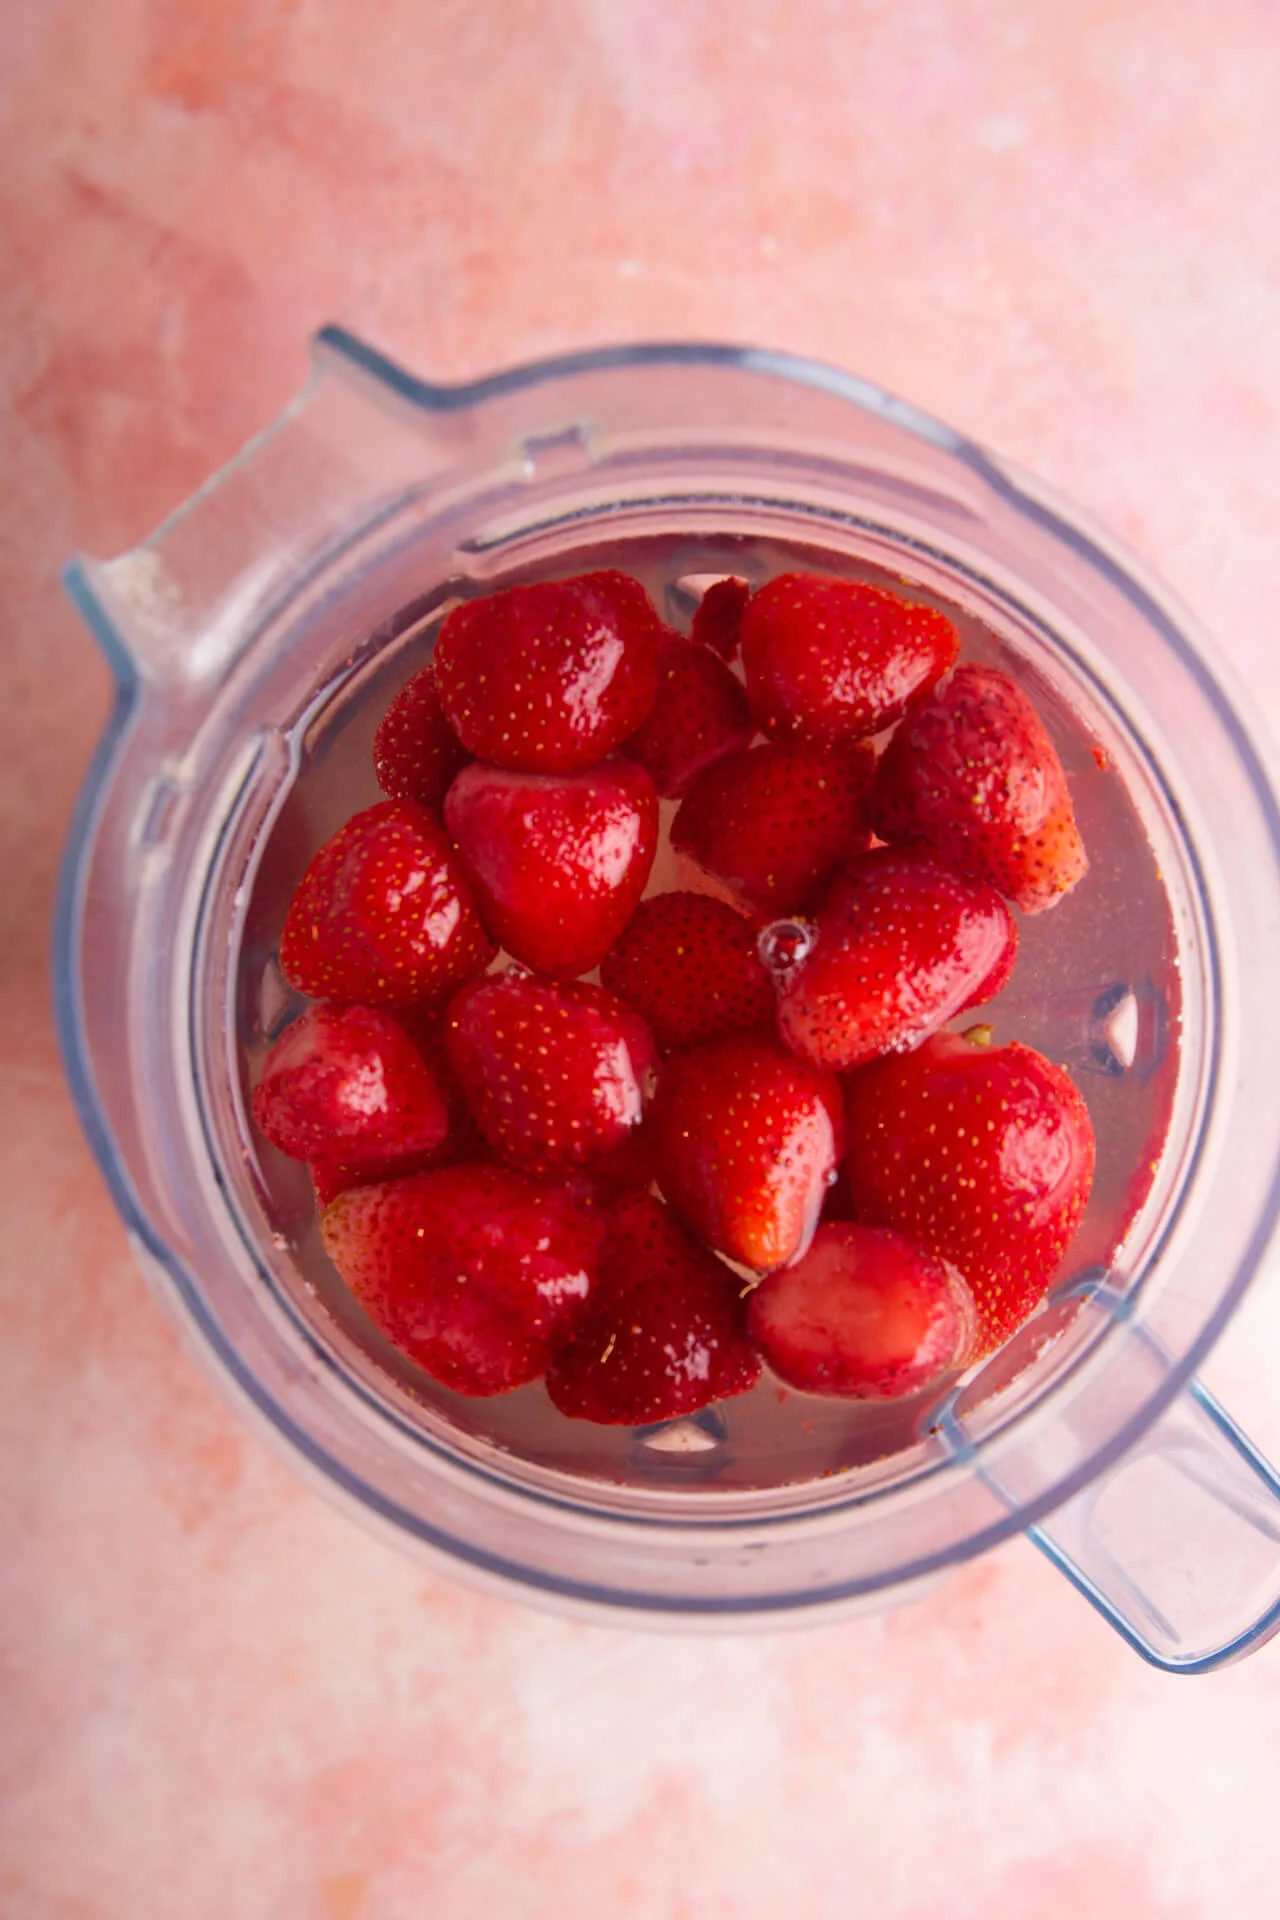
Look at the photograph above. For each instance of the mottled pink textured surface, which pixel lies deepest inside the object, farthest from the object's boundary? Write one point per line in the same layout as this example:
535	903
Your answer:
1059	227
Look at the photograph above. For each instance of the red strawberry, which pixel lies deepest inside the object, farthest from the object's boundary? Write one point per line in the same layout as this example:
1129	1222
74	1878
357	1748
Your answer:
776	823
384	915
665	1333
864	1314
700	714
689	964
984	1155
745	1140
415	751
558	860
902	943
347	1084
552	676
462	1141
475	1272
831	660
718	621
974	773
556	1075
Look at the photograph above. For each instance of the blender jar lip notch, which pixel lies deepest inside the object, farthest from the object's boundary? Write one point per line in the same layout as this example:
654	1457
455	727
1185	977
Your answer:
848	388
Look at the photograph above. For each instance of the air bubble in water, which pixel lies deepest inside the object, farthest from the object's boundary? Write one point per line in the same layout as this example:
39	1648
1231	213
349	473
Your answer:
783	944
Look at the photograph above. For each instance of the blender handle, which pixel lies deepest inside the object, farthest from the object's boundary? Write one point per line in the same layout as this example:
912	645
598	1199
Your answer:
1178	1544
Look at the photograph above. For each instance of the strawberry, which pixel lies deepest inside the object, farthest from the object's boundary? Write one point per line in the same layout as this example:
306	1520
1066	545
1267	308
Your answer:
776	823
745	1140
974	773
902	943
415	751
558	860
555	1075
477	1273
984	1155
665	1333
830	660
864	1314
384	915
700	714
347	1084
689	965
462	1141
553	676
718	621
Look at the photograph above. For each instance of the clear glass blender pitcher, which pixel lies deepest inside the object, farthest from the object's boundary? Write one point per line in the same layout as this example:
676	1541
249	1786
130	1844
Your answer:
255	638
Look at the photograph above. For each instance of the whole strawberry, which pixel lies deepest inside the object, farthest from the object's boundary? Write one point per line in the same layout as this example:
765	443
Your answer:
415	751
864	1314
384	915
699	715
689	965
348	1084
558	861
556	1075
665	1333
830	660
973	772
477	1273
744	1140
984	1155
902	943
552	676
775	824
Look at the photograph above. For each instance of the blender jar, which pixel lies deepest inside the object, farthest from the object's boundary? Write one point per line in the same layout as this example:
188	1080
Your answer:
256	638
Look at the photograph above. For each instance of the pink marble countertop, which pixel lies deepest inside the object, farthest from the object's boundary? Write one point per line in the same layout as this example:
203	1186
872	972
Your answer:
1057	227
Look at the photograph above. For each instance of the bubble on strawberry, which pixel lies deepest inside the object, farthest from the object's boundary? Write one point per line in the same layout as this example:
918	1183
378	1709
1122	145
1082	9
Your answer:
784	945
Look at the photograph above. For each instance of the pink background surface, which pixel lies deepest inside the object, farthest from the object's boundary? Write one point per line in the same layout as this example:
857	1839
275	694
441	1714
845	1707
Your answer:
1056	226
